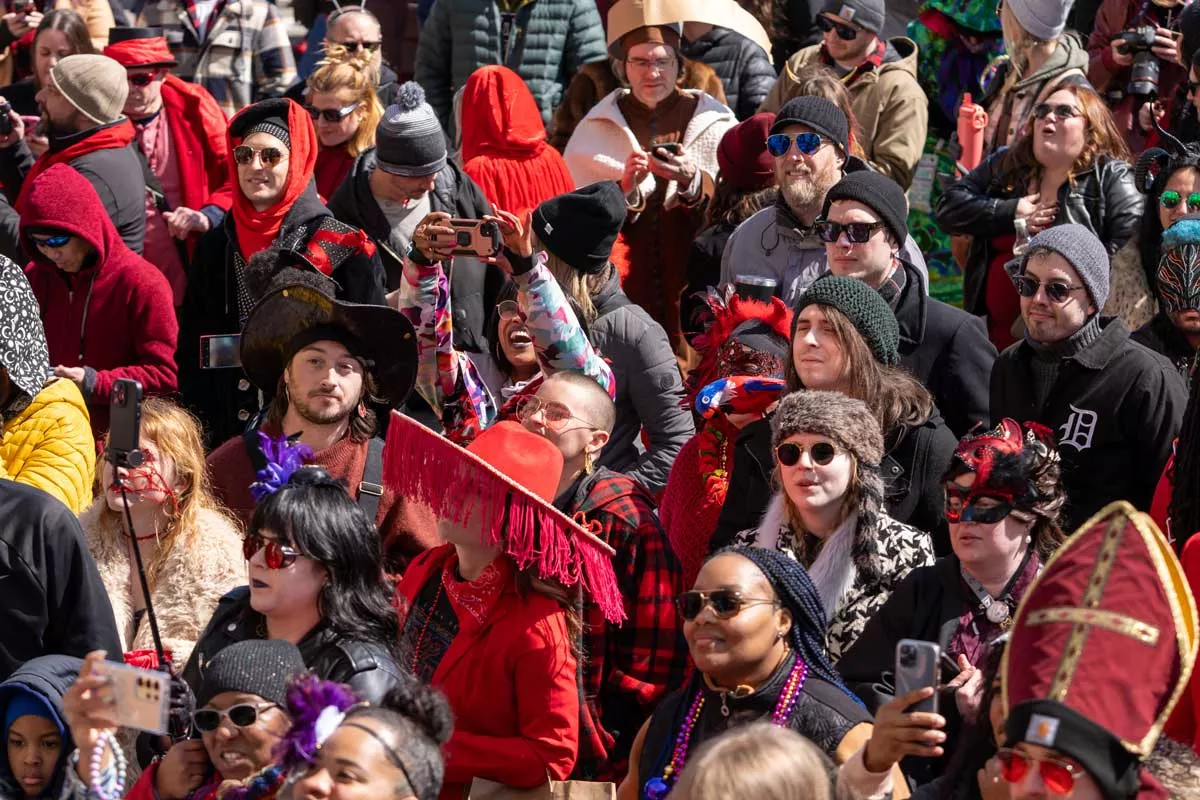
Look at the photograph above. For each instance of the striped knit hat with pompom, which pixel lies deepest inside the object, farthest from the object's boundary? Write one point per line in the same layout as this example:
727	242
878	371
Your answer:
409	140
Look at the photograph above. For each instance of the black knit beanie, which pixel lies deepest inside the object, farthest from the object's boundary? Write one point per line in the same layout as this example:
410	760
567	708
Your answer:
819	115
581	227
877	192
266	116
866	309
263	667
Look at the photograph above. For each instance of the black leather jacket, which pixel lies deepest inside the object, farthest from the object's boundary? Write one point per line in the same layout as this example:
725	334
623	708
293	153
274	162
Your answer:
983	203
367	667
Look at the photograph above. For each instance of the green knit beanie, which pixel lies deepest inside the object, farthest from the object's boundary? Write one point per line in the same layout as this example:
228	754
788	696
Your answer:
866	309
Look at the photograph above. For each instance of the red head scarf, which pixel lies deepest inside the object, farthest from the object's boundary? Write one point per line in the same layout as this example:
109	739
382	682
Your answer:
257	230
148	52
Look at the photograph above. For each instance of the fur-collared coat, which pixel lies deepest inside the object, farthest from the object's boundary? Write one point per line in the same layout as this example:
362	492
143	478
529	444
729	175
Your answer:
897	550
190	582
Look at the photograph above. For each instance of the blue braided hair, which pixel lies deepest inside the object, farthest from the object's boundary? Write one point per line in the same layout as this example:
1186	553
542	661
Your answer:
797	594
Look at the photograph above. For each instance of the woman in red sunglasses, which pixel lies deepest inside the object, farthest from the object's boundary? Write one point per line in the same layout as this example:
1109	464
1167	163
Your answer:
316	579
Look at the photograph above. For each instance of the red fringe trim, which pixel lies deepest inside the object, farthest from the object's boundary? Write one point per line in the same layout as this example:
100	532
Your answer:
536	536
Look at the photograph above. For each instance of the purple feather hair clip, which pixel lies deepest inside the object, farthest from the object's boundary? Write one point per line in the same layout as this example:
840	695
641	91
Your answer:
284	456
316	707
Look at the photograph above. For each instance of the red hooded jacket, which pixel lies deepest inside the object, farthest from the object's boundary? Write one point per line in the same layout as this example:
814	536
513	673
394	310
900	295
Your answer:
504	147
198	128
116	316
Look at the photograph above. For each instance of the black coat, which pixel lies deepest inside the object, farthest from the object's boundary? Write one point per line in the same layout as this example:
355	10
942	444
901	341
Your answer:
473	284
703	271
743	67
1161	336
948	351
224	399
51	597
115	173
983	203
368	668
1116	408
916	459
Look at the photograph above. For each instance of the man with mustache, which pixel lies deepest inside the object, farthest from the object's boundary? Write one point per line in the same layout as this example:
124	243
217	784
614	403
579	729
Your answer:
810	142
326	362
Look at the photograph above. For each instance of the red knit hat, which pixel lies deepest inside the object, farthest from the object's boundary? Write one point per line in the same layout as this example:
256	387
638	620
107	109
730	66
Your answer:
510	476
742	154
1102	647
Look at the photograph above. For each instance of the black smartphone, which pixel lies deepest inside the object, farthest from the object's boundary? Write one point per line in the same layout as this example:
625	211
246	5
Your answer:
125	417
219	352
917	667
658	150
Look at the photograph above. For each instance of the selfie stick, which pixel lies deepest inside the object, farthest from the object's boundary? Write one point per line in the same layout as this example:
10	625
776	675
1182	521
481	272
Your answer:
133	458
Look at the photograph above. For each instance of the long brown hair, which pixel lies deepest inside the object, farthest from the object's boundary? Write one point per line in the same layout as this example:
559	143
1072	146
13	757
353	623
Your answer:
67	22
176	434
894	396
1102	138
363	426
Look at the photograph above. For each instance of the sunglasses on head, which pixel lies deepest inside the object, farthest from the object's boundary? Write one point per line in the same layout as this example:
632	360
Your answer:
56	241
789	453
844	32
1058	776
1171	199
1059	110
555	416
958	510
332	114
244	154
725	603
143	79
856	232
354	47
778	144
277	556
1058	291
243	715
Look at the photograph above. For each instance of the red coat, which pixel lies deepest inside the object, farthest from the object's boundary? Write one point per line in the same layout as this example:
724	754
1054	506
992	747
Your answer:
510	682
198	128
1184	724
117	315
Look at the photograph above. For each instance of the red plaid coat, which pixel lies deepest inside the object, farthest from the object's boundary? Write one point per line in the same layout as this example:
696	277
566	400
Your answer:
628	669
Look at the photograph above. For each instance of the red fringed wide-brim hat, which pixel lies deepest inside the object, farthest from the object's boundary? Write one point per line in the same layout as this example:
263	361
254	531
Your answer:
1101	650
509	477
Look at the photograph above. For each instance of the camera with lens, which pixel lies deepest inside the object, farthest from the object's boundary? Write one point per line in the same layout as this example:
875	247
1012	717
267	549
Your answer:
5	120
1143	77
908	656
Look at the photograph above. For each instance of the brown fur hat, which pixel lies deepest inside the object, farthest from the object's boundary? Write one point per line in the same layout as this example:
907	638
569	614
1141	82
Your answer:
844	420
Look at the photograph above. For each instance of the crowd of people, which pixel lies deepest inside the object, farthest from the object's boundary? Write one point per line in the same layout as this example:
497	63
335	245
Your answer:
573	398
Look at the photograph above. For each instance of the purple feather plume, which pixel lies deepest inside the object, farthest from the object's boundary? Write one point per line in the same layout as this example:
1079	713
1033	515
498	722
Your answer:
284	456
307	697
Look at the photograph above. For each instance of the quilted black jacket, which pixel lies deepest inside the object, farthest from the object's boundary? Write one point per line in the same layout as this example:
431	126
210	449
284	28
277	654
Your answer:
741	64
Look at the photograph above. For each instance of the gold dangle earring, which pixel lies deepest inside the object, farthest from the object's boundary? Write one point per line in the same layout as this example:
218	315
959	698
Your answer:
587	463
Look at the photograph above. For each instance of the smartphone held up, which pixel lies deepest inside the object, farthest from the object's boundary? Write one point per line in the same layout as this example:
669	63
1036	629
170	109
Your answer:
472	237
917	666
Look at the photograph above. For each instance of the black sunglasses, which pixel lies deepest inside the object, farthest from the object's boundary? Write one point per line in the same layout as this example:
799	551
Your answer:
243	715
1059	110
354	47
142	79
244	154
332	114
789	453
1057	291
844	32
856	232
725	603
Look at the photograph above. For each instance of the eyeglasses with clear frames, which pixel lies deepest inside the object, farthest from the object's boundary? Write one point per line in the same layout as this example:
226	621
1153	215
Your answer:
555	416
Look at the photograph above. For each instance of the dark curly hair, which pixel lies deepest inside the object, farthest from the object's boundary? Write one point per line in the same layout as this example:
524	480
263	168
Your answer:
314	513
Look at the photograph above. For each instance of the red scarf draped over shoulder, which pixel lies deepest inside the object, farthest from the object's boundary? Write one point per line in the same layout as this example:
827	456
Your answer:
257	230
107	138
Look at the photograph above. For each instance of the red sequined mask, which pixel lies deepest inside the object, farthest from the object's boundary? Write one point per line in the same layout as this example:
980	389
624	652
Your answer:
999	460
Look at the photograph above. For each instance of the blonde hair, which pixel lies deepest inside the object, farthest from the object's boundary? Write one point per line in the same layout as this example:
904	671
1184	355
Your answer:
176	434
759	760
356	74
574	283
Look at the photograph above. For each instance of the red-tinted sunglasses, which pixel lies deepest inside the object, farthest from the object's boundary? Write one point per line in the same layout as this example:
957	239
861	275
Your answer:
1058	776
278	556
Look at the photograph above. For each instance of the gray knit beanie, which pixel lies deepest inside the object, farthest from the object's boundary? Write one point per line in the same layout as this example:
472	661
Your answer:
1082	250
866	309
1043	19
845	421
409	140
263	667
95	85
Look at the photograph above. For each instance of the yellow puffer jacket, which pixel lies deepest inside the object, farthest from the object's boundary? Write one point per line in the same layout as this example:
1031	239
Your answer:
50	446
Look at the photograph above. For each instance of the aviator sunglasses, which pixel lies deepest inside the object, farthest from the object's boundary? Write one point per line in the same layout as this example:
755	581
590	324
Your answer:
856	232
844	32
243	715
277	556
332	114
1058	776
778	144
1059	110
1170	199
725	603
244	154
1057	291
789	453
